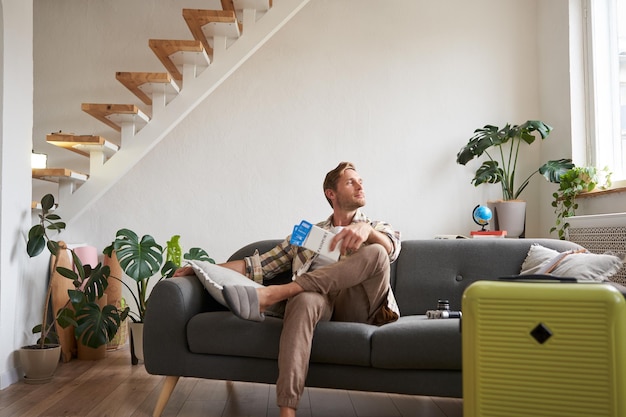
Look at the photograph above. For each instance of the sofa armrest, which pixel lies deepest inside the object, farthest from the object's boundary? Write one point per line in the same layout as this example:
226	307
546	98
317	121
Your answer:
172	303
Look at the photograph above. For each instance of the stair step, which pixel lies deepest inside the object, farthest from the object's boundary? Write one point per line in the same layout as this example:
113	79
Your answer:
207	24
174	54
114	115
144	84
82	144
58	174
247	11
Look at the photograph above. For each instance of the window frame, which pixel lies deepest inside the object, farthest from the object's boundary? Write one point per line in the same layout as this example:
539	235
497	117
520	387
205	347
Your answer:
604	140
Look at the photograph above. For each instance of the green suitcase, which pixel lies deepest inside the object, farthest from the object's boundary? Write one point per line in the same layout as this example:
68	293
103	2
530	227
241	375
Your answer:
543	349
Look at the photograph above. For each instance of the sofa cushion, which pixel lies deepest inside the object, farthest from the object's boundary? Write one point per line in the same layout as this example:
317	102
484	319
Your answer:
575	264
416	342
221	333
342	343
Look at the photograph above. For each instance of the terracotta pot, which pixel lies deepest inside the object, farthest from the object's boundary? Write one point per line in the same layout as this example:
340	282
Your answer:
38	364
86	353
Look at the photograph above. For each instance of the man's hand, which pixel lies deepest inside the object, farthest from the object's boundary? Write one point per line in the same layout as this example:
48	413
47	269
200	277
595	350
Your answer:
184	271
351	237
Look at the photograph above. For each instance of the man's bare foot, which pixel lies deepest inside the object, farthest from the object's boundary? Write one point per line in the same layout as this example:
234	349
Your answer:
287	412
275	293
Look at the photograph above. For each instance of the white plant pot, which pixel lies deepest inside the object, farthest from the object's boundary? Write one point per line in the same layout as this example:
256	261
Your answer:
136	335
509	216
39	364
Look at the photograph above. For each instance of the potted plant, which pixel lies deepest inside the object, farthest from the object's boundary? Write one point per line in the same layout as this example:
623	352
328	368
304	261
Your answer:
143	259
574	182
94	325
502	148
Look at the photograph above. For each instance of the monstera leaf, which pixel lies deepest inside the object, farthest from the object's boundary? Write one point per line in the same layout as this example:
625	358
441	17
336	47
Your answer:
94	326
140	259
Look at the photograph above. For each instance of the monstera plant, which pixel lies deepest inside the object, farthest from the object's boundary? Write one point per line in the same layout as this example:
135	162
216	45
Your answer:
95	326
502	148
143	259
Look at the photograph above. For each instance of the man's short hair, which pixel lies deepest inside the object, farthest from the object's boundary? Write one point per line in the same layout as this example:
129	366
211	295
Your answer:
330	182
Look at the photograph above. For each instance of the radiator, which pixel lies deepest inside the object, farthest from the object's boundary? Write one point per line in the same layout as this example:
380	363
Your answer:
601	233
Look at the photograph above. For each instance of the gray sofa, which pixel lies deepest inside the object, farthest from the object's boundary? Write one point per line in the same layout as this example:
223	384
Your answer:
187	333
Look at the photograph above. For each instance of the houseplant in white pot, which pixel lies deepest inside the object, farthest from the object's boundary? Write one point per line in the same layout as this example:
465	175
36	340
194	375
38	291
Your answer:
502	148
144	259
574	182
94	325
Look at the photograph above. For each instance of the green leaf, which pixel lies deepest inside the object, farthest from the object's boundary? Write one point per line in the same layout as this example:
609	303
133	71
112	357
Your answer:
47	202
198	254
67	273
36	231
77	298
553	170
35	246
489	172
174	251
139	259
56	226
482	140
168	269
108	251
78	265
97	282
66	318
124	313
97	327
53	247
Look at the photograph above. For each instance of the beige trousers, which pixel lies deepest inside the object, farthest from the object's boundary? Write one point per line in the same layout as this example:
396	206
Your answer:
353	289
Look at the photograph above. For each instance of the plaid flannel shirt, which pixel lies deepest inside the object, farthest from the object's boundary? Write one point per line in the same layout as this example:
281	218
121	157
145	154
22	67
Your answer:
285	256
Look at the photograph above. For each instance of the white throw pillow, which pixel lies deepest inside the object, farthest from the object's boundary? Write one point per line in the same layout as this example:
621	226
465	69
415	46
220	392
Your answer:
214	277
579	265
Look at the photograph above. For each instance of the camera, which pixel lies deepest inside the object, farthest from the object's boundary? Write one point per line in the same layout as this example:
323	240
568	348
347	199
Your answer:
443	311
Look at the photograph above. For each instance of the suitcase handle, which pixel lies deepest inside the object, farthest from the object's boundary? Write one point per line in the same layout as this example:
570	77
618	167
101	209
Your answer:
537	277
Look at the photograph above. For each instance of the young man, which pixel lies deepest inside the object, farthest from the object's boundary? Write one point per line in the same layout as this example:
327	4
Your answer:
356	288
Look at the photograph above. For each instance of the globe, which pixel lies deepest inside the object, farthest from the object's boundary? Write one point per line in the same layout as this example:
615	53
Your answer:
481	215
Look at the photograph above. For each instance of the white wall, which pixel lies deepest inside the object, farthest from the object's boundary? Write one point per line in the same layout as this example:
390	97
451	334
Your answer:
16	109
561	89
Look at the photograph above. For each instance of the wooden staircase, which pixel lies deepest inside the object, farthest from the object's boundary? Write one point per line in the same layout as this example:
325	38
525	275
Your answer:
222	41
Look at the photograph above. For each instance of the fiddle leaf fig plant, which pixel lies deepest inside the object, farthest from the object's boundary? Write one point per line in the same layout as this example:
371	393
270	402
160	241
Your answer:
502	147
143	258
574	182
94	326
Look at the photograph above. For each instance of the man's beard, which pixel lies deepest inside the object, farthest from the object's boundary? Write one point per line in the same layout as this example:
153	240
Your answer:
351	204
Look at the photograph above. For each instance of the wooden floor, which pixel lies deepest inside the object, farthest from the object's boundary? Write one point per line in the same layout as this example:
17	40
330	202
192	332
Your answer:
113	387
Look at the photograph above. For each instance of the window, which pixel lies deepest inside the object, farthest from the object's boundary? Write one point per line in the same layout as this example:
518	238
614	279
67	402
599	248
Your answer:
606	84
